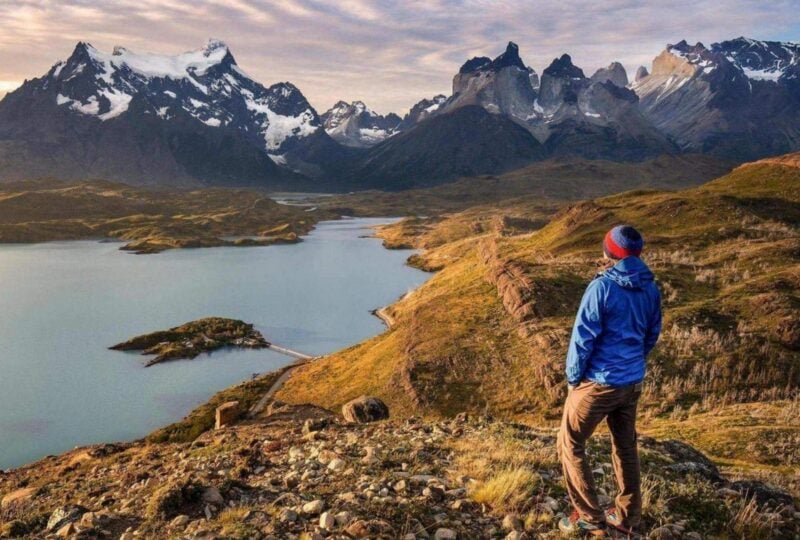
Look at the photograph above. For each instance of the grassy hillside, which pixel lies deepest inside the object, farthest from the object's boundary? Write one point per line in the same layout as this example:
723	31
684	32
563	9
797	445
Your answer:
149	220
489	331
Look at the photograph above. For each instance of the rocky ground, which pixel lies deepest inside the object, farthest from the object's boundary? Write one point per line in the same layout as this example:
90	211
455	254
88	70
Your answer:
195	337
303	472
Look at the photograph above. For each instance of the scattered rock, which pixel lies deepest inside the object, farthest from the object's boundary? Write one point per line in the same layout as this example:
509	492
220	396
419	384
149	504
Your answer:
66	530
434	493
314	507
287	516
211	495
327	521
179	521
337	465
370	456
64	515
312	425
358	529
365	409
445	534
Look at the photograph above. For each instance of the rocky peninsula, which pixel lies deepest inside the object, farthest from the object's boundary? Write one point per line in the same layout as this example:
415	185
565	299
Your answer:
193	338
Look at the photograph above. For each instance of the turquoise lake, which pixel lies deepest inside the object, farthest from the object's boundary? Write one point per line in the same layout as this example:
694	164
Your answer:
62	304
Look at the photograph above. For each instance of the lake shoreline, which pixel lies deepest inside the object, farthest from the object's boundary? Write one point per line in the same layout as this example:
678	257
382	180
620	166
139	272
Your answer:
332	241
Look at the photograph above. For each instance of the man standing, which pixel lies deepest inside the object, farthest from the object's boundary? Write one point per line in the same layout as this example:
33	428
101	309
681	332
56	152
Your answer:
617	325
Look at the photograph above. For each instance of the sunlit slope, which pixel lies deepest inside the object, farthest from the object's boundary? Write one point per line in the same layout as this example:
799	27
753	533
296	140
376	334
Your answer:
490	330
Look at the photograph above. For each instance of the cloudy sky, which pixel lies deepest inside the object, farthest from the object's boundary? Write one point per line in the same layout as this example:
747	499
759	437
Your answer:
389	54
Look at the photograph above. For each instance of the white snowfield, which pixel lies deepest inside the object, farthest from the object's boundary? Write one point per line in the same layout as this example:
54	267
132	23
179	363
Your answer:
123	74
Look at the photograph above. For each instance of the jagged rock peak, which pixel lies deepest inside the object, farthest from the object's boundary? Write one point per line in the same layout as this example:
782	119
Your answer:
683	47
563	67
509	58
614	73
641	73
474	64
212	45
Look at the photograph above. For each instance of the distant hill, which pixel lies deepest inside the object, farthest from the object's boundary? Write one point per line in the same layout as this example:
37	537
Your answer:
147	220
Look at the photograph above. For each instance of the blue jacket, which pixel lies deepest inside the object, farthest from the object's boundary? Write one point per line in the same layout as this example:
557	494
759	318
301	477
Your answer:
617	326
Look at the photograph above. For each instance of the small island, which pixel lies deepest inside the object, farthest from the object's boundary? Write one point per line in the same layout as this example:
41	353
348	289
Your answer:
189	340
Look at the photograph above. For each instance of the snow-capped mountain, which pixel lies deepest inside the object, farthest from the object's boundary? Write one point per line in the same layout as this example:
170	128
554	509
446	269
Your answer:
355	124
202	91
763	60
738	98
565	110
198	118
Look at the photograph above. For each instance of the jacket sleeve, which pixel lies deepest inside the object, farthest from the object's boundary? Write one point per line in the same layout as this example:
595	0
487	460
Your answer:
654	326
588	325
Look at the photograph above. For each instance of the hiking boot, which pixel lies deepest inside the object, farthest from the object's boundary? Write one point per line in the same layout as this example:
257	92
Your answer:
615	520
576	525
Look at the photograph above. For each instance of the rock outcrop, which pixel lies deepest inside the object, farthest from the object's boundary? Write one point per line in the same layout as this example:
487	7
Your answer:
226	414
615	73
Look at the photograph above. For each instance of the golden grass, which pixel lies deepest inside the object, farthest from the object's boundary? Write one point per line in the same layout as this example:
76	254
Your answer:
748	522
726	259
508	490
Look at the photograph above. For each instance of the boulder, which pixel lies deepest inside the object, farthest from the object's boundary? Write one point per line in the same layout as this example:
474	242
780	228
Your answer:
764	494
211	495
226	414
63	515
365	409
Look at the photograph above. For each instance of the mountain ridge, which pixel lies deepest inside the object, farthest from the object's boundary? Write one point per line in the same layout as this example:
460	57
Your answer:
196	118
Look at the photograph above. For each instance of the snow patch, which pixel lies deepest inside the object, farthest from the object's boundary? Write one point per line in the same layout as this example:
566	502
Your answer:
278	128
373	134
119	103
433	107
92	107
278	159
184	65
762	74
57	71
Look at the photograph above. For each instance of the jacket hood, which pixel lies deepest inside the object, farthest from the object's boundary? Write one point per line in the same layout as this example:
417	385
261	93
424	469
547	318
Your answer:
630	273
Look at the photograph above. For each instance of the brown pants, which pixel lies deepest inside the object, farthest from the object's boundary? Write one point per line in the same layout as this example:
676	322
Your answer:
586	406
